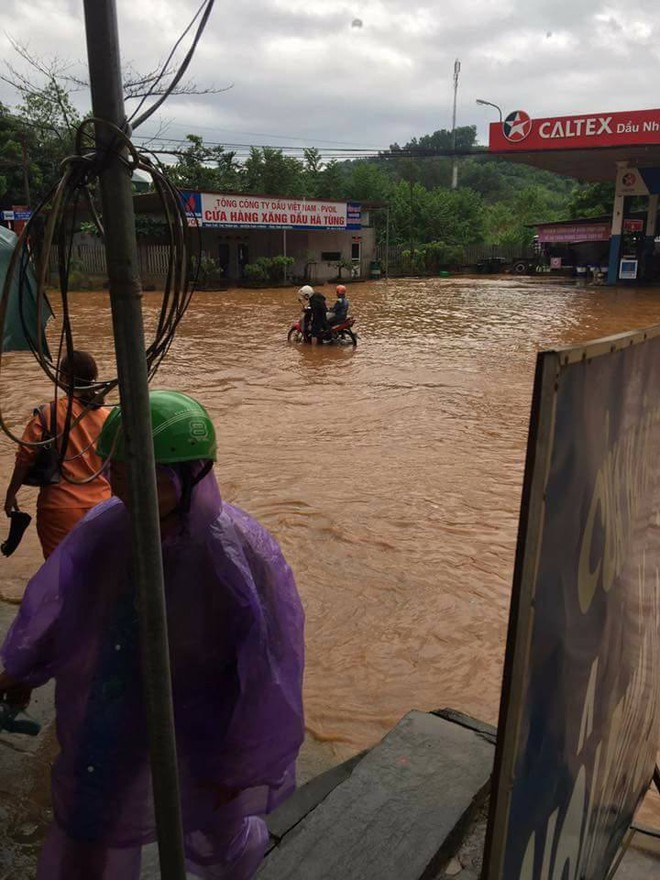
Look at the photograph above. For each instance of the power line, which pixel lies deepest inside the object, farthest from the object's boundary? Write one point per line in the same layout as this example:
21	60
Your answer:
260	134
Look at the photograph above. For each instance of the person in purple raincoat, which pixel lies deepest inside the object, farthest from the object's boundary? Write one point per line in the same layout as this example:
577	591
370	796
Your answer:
236	644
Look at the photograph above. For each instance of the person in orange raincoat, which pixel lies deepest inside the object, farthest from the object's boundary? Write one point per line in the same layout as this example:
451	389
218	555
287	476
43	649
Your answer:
61	505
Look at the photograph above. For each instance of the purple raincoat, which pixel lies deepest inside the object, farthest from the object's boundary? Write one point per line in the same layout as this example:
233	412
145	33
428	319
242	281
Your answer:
236	643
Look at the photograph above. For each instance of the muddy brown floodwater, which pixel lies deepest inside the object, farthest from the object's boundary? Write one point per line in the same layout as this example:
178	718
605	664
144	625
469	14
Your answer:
391	474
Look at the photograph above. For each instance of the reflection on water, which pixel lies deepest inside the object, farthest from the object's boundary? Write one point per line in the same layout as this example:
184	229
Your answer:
391	473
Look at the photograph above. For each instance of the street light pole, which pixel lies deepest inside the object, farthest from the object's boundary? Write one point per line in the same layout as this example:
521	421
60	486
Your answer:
490	104
126	303
454	170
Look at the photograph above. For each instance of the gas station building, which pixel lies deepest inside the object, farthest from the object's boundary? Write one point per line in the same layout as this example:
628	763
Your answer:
620	148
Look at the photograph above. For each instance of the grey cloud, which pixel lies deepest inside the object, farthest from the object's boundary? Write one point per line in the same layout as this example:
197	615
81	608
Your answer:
315	78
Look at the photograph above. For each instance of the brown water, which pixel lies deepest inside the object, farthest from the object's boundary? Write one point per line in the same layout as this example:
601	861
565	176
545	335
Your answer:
391	474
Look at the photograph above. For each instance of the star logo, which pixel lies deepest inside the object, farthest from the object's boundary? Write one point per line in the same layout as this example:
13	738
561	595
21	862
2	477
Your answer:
629	179
517	126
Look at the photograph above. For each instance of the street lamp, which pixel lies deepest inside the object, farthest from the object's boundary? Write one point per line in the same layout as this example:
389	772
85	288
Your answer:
490	104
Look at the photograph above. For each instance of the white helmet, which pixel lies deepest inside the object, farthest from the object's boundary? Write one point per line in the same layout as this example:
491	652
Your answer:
306	290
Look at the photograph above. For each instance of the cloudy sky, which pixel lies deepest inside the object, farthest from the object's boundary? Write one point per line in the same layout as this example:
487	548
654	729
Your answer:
304	73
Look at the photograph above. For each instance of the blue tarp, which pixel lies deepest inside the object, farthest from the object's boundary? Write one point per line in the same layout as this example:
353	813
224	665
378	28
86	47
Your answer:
21	316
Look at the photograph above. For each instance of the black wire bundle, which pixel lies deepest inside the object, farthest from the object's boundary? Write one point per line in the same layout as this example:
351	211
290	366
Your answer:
80	174
60	222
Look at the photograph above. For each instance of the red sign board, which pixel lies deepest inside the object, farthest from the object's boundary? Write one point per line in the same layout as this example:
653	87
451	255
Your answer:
574	232
633	225
520	132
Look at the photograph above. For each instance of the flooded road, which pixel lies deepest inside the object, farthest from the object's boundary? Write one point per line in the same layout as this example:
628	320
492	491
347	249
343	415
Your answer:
391	474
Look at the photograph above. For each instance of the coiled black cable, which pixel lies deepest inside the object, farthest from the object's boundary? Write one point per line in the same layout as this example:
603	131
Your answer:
59	213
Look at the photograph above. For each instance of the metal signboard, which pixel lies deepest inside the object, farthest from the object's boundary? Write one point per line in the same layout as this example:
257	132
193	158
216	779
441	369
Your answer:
628	269
574	232
520	132
245	211
580	712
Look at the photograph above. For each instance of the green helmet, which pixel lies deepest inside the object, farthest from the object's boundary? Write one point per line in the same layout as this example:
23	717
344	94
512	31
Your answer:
181	428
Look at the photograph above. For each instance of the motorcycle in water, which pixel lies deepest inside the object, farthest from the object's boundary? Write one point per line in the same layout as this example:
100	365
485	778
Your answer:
341	332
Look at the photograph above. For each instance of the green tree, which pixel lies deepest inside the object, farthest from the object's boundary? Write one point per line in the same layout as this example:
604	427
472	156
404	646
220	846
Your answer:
312	171
207	168
34	139
591	200
269	172
12	189
332	182
368	181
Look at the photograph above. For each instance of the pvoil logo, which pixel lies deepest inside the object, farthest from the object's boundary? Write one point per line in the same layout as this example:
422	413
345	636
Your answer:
517	126
192	202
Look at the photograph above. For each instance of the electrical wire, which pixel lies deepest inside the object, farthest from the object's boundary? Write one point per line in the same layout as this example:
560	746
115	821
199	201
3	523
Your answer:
205	11
59	212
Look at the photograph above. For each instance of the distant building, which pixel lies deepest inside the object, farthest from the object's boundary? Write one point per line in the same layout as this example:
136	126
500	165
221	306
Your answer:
236	229
581	243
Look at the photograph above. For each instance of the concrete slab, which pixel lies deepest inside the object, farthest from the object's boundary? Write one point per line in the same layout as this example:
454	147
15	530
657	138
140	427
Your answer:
309	796
401	812
638	866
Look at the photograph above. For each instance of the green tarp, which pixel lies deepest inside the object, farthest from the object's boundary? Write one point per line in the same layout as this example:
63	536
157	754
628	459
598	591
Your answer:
21	316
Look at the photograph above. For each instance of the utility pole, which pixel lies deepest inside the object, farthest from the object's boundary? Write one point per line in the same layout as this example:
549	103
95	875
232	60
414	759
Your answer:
26	171
454	170
410	228
126	304
387	242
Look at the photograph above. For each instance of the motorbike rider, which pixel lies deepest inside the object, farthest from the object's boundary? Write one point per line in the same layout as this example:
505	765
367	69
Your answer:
304	294
318	306
339	311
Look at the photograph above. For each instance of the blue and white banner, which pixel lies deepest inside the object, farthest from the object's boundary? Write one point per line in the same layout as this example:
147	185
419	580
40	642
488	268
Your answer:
15	215
218	210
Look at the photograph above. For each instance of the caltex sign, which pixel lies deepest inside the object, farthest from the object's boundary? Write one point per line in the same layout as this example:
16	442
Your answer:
520	132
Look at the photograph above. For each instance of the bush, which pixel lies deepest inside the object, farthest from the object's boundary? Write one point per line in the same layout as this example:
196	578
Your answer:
209	271
269	269
431	258
343	264
256	271
278	266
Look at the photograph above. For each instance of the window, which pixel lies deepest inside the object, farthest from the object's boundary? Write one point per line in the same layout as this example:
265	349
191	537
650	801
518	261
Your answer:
330	256
355	250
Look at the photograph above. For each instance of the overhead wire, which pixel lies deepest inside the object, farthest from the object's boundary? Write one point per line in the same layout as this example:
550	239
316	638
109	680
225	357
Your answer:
81	170
205	12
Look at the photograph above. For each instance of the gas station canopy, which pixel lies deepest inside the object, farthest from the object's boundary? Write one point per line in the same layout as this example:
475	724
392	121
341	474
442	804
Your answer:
589	147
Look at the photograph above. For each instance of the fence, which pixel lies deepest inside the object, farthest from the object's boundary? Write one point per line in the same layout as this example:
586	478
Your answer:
153	260
473	253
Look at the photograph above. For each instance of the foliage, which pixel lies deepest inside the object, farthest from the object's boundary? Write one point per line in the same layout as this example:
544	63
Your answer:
268	269
146	226
38	131
418	215
269	172
496	202
431	258
341	265
207	270
43	119
279	266
207	168
11	151
257	271
591	200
